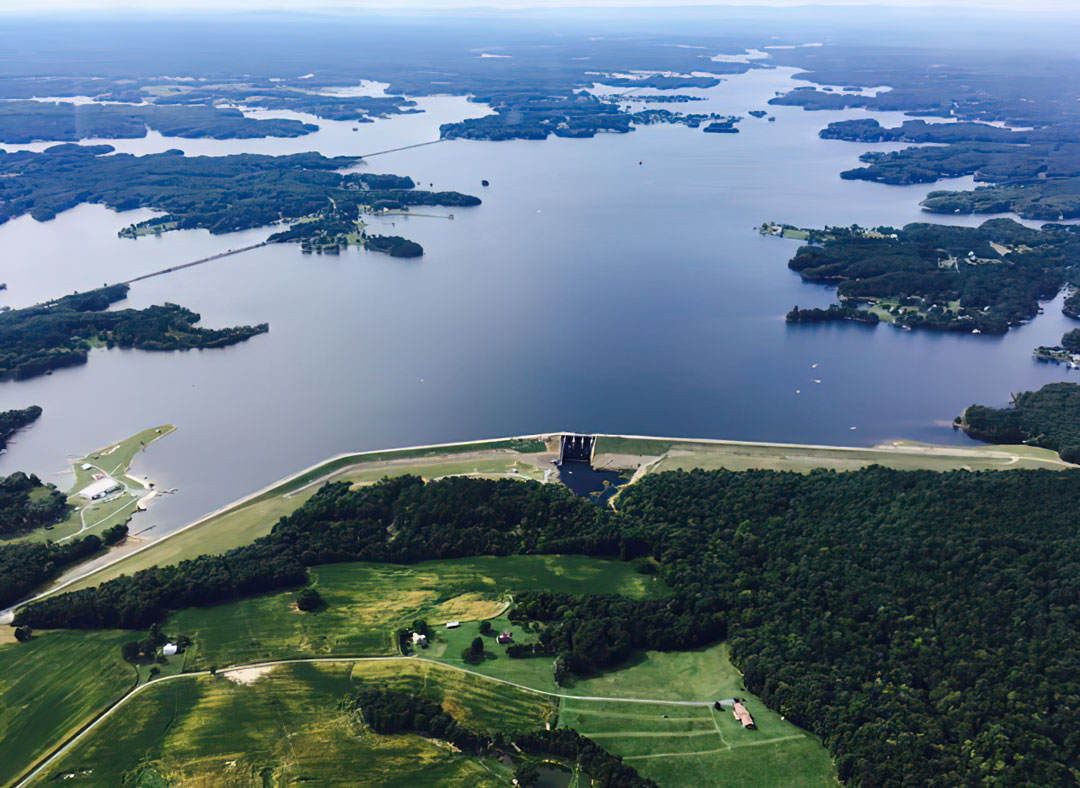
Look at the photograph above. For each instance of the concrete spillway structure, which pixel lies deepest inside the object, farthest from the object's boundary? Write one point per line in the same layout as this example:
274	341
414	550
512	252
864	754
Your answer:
577	448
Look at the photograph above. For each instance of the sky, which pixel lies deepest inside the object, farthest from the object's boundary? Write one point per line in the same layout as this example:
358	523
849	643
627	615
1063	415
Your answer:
38	6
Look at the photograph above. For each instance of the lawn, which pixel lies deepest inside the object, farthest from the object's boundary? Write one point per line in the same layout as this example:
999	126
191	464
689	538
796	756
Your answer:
366	603
681	746
284	728
96	516
53	685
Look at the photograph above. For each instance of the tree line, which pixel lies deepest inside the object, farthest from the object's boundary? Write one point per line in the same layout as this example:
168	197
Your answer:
11	421
1049	418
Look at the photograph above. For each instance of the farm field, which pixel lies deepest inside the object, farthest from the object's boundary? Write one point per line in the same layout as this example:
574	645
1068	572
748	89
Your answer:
52	686
366	603
283	727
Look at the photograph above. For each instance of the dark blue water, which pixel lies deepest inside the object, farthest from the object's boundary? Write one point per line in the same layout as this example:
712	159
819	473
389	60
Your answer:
589	293
587	482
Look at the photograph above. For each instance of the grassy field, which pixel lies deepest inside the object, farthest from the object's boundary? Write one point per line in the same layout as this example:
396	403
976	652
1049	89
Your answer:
695	745
366	603
95	516
52	686
283	728
902	455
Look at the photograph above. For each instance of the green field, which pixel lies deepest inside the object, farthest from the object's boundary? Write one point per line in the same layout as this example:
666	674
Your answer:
695	745
51	687
902	455
366	603
89	517
282	728
281	725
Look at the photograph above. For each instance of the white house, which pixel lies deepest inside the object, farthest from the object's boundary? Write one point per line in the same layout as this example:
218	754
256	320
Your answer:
453	624
169	649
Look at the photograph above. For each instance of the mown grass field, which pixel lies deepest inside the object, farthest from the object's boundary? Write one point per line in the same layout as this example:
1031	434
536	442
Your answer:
283	728
366	603
52	686
902	455
678	745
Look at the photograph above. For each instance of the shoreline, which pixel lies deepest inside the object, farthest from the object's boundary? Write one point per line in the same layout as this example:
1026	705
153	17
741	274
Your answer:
339	463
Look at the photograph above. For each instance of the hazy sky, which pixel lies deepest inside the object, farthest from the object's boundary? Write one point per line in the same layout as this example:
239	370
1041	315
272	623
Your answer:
33	6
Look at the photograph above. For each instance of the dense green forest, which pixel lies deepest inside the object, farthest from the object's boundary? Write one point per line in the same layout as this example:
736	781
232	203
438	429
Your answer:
219	193
983	278
394	245
24	566
26	503
389	712
870	130
835	312
987	161
1038	199
924	625
38	339
1049	417
11	421
27	121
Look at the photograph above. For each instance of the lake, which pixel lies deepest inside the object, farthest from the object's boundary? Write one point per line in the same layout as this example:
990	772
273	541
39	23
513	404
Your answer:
615	284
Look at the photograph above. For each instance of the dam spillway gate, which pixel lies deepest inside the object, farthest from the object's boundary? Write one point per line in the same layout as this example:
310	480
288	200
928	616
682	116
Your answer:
577	448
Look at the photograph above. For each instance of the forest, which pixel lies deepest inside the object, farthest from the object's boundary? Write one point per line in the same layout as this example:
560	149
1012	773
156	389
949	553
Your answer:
870	130
1041	200
26	504
394	245
27	121
925	625
11	421
1049	417
973	83
834	312
390	712
995	273
987	161
221	194
25	566
38	339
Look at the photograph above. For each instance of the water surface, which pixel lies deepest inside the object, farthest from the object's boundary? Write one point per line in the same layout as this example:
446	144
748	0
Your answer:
615	285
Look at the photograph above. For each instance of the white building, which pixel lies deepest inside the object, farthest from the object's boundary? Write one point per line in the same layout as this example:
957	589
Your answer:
101	489
453	624
169	649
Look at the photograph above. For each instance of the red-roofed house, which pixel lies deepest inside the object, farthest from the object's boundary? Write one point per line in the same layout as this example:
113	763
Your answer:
743	716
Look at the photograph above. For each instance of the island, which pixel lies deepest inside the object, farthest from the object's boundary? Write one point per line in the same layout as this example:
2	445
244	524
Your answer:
11	421
27	121
973	279
218	193
39	339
